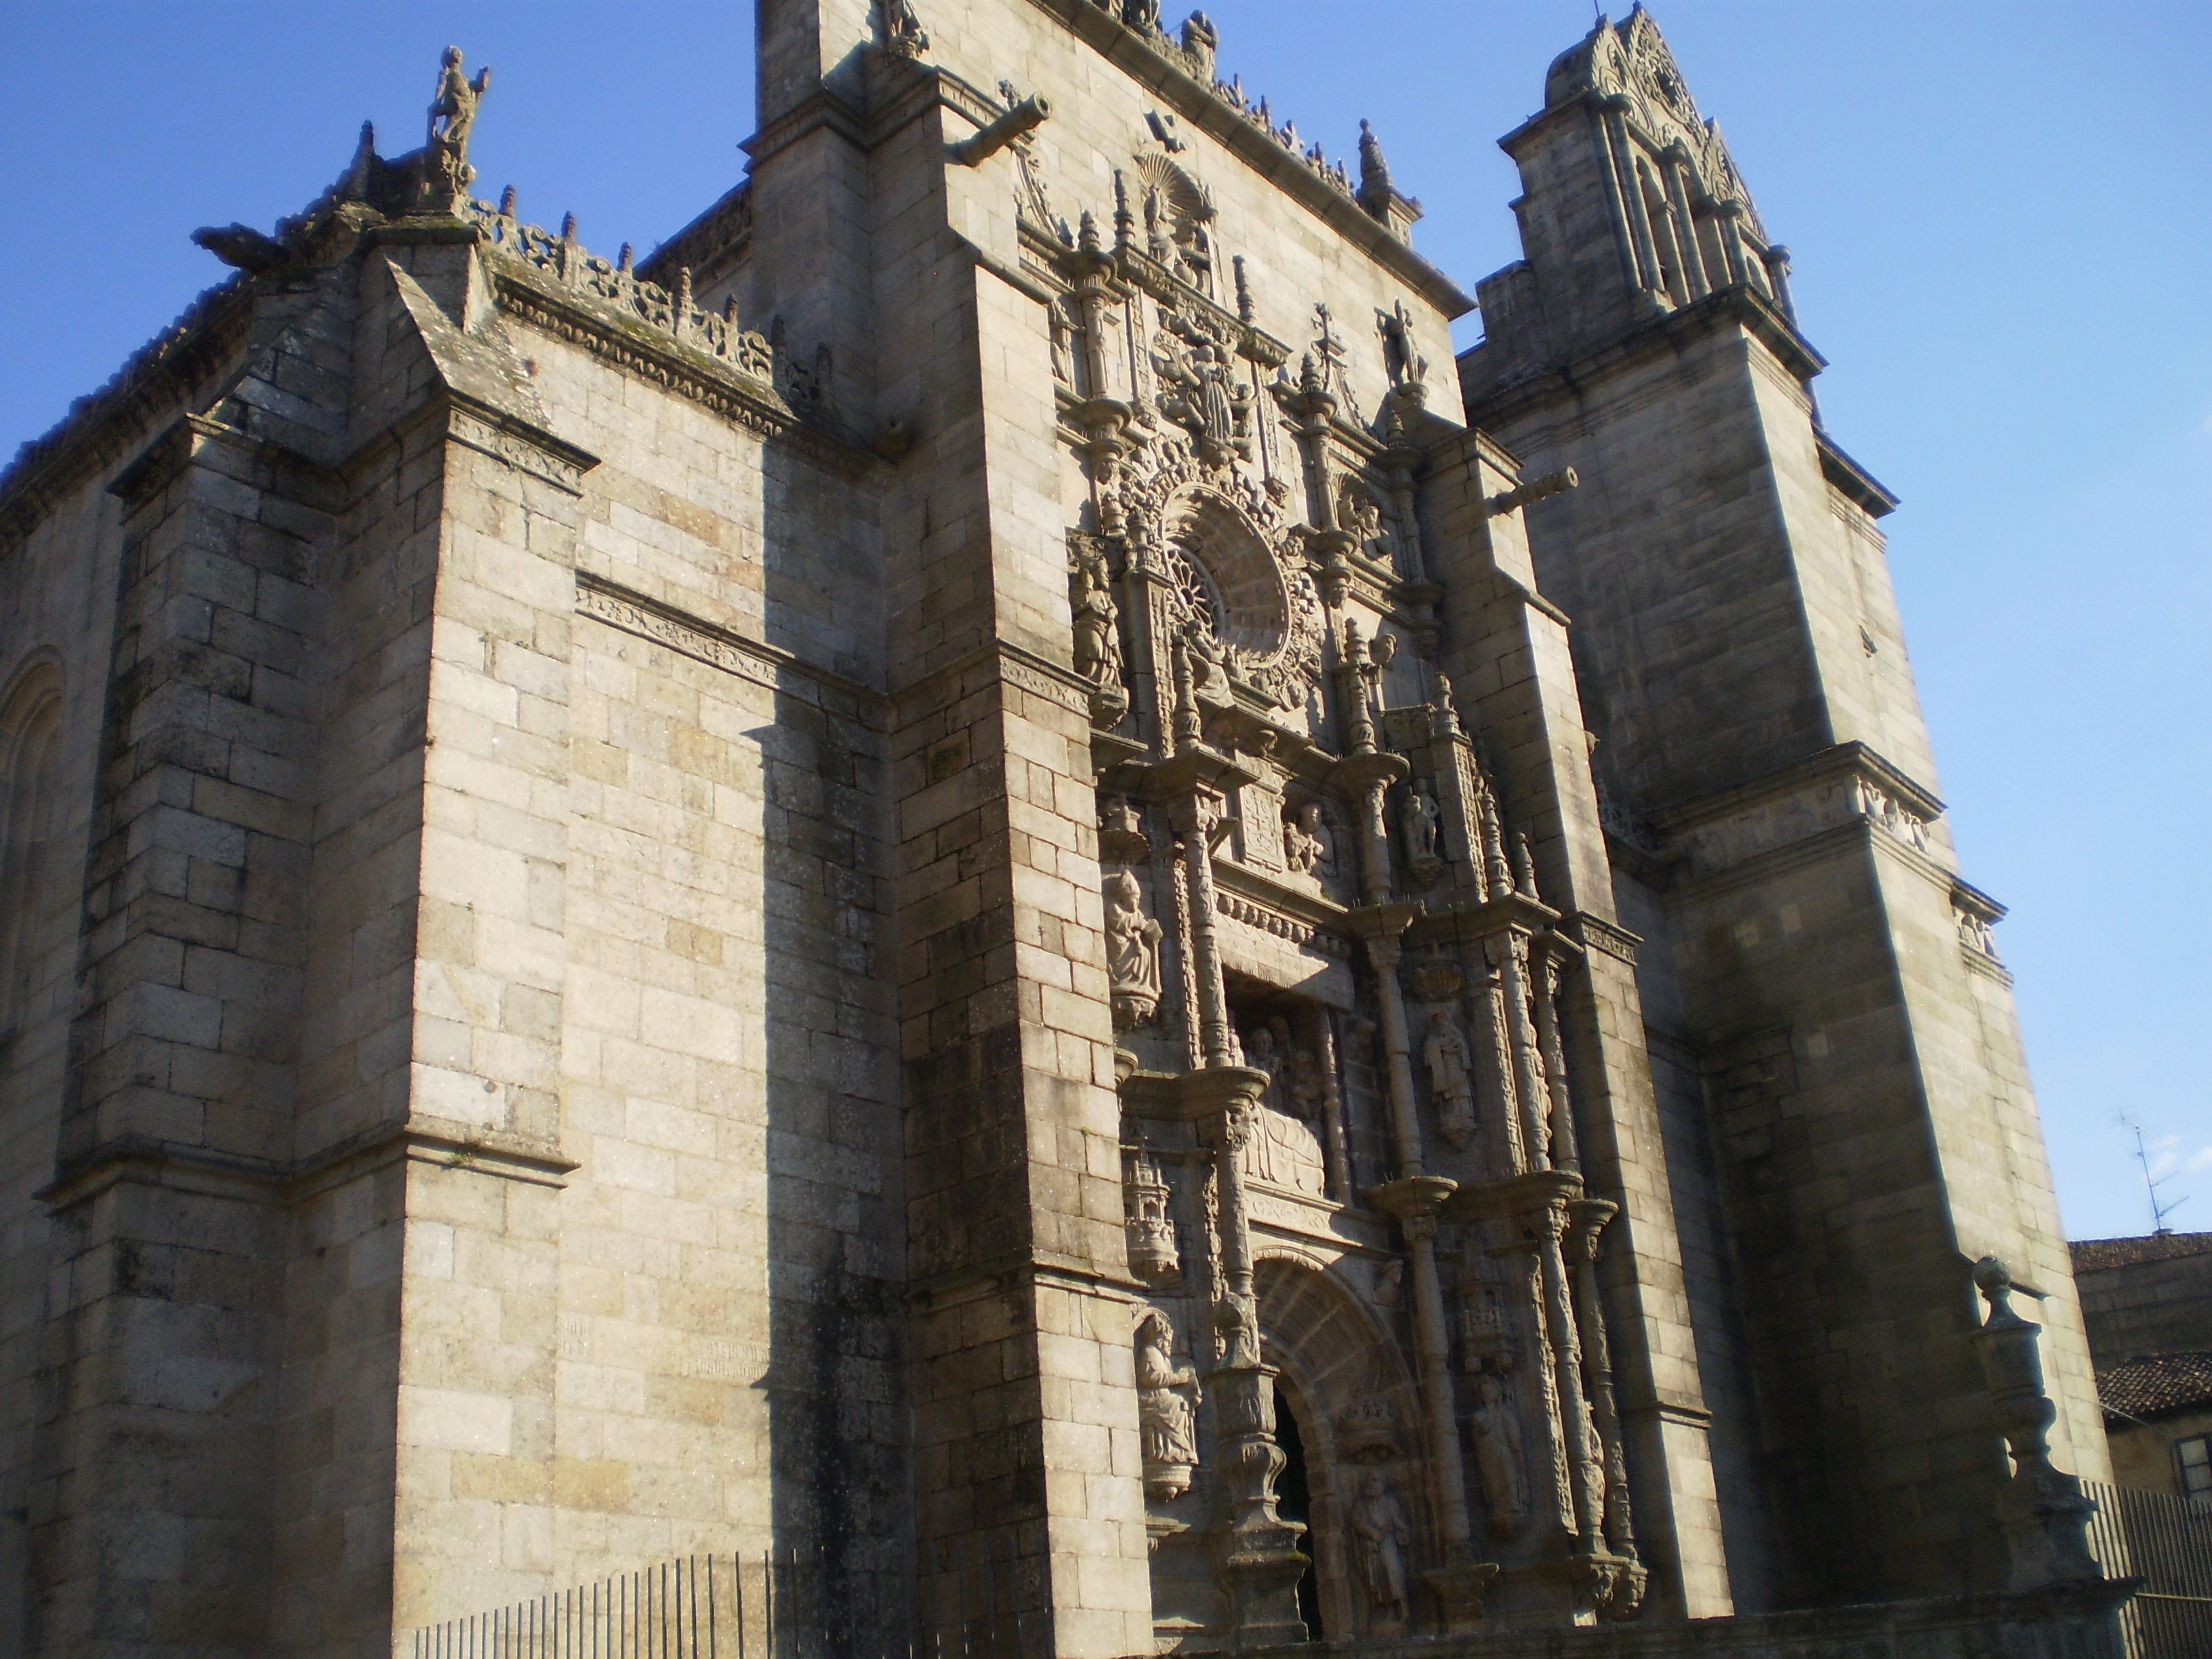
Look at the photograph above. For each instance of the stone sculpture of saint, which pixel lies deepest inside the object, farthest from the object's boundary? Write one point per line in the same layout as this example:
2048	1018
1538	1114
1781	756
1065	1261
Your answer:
1497	1455
1097	642
1380	1537
1421	820
1451	1082
1165	1419
1305	1091
452	114
1132	952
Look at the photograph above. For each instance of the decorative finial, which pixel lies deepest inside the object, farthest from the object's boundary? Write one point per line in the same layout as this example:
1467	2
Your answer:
1447	717
622	259
1243	291
567	226
1524	866
1086	235
506	200
364	160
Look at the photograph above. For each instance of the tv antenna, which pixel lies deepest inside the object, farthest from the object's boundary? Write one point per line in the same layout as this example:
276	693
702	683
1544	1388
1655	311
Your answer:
2159	1209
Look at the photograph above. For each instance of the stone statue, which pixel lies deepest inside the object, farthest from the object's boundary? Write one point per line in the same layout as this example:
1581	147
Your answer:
1164	1415
1498	1459
1421	820
1391	1285
903	35
1133	953
1260	1055
1304	1091
1097	638
1451	1082
1305	840
1380	1537
452	114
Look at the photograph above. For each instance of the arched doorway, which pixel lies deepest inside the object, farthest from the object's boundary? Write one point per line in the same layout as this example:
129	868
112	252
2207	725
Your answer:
1346	1409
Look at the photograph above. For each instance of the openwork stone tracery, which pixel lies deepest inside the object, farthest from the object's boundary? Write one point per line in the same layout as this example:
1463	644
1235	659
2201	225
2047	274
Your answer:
1337	990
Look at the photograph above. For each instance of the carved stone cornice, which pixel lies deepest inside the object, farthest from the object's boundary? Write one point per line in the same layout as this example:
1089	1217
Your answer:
1197	103
99	430
606	600
1665	335
1845	784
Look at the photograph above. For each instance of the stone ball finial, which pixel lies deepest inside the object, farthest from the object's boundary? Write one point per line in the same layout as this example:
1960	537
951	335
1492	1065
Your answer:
1992	1275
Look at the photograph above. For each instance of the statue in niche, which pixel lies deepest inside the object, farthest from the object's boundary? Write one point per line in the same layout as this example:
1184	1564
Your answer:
1422	822
1304	1091
1305	840
452	114
1451	1077
1063	360
1133	953
1165	1418
1500	1462
1359	515
1261	1055
1382	1535
1098	637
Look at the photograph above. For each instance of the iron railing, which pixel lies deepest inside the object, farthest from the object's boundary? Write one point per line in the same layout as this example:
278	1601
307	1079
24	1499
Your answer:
2168	1543
975	1598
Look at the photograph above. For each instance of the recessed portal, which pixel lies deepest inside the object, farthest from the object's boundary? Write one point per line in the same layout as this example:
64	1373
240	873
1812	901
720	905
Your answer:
1294	1502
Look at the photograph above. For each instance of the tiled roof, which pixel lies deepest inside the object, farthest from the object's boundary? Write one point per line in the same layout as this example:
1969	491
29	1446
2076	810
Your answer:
2091	1253
2163	1383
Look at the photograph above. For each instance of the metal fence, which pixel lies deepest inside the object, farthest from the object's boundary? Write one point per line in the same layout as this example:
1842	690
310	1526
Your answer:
2168	1543
975	1598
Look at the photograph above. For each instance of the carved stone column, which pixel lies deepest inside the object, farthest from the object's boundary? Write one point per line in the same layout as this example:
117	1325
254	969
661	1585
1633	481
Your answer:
1585	1474
1587	1218
1262	1563
1545	971
1508	953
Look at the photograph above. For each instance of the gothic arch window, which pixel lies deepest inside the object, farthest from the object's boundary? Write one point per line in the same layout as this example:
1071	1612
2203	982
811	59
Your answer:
30	826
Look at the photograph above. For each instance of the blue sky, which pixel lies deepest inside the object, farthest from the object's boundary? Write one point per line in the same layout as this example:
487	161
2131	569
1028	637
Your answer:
2002	225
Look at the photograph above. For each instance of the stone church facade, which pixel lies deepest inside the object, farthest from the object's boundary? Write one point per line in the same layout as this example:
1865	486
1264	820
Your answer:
981	857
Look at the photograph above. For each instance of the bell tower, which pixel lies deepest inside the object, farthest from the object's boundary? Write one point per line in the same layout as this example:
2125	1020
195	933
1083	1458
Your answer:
1832	1035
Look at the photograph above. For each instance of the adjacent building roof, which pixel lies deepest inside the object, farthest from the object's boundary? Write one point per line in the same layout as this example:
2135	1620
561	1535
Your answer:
2091	1254
2157	1385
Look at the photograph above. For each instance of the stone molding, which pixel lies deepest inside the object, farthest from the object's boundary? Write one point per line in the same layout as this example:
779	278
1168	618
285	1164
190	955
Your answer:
1714	833
422	1139
1205	109
659	623
1663	336
99	429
